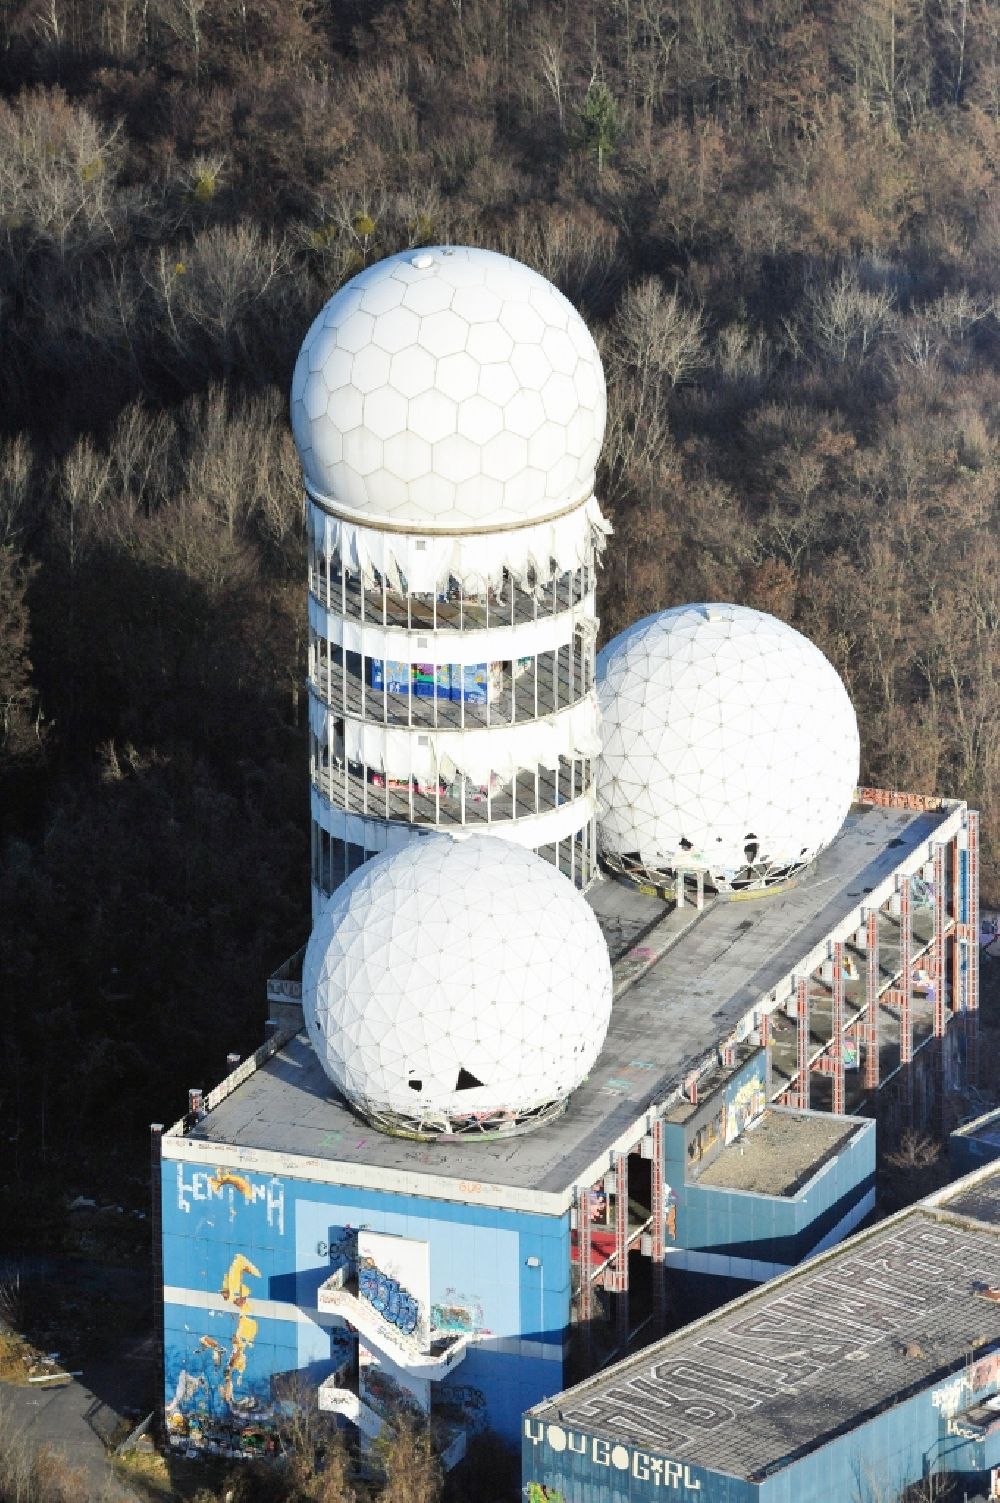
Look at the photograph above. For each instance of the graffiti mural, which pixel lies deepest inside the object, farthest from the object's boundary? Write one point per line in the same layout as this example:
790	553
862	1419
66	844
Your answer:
747	1104
465	1404
707	1137
383	1390
394	1277
198	1187
394	1303
455	1313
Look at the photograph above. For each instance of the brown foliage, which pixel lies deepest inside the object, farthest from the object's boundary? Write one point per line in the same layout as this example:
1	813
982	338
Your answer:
788	258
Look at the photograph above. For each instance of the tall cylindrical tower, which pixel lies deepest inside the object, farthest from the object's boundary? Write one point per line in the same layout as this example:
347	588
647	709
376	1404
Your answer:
448	405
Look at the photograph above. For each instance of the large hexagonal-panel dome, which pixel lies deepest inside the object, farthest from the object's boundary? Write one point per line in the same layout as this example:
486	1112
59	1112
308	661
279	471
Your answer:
730	746
457	986
449	389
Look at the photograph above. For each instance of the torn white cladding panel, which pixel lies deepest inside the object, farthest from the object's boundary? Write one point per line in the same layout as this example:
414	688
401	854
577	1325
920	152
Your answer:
457	987
730	748
449	407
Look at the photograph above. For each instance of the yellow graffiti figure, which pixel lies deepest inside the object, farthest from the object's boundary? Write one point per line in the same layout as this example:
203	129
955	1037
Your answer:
243	1339
233	1287
223	1177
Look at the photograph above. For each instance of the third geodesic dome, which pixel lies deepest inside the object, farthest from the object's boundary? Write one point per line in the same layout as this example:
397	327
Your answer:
730	746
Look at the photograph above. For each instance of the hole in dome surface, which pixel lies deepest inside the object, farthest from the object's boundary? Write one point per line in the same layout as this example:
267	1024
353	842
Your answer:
415	1085
466	1080
686	844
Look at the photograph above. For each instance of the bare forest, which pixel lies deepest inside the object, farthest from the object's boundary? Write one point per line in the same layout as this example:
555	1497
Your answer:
781	220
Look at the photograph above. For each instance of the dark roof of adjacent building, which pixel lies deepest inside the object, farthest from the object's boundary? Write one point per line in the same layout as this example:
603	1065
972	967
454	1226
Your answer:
814	1353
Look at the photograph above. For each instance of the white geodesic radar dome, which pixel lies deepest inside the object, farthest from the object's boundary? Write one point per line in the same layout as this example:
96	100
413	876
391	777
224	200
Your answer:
457	986
449	389
730	746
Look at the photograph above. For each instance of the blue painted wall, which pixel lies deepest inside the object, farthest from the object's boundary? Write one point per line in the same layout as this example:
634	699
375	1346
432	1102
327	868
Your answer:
879	1459
975	1144
227	1337
781	1229
560	1464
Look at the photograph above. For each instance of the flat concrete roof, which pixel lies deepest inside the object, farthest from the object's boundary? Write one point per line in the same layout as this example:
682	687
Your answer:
979	1199
985	1129
683	981
780	1153
812	1354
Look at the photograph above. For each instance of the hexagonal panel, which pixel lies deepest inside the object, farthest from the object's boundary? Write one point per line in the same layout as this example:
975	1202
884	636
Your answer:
355	332
413	371
524	413
370	369
456	458
363	451
522	322
477	305
479	419
458	376
430	295
408	456
505	457
489	344
443	333
559	400
386	413
397	330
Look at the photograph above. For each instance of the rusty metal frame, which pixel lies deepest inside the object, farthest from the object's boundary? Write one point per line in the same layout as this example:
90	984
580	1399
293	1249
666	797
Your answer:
972	949
905	991
802	1022
659	1227
583	1249
871	1034
837	1030
936	957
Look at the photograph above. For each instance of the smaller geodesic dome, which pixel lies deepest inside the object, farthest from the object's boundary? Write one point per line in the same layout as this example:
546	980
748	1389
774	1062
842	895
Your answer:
730	747
457	987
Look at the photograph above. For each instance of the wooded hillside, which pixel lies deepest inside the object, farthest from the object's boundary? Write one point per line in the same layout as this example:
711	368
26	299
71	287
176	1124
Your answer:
781	219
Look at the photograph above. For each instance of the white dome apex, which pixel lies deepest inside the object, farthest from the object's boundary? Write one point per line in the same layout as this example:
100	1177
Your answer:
449	389
729	746
457	986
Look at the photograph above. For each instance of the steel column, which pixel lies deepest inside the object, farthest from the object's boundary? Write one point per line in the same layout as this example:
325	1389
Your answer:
765	1044
621	1249
586	1302
905	992
837	1029
957	986
871	995
972	949
659	1229
936	968
802	1011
